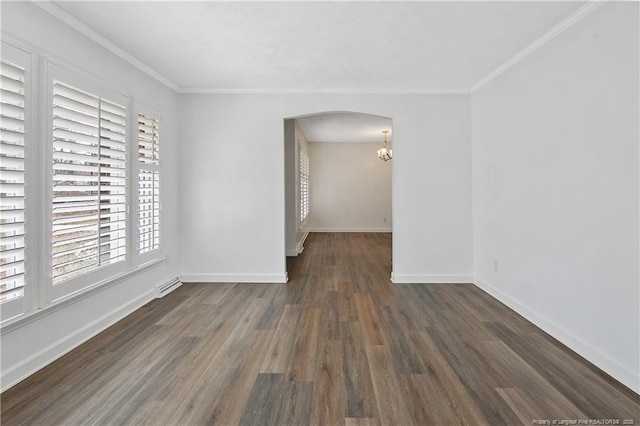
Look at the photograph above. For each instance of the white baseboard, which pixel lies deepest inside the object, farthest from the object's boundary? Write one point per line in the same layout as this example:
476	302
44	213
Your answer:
299	247
16	373
431	279
233	278
350	230
591	354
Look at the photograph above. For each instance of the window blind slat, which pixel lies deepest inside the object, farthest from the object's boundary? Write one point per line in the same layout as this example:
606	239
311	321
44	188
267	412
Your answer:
67	107
112	153
11	150
89	119
78	241
75	125
116	145
11	83
113	162
11	242
68	142
12	71
115	127
12	124
11	203
9	137
8	176
112	109
12	110
12	98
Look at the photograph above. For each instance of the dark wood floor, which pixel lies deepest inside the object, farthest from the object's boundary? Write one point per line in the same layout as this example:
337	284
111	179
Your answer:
336	345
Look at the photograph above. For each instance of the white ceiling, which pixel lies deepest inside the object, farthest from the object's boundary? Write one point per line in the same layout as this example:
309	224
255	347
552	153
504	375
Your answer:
322	46
345	127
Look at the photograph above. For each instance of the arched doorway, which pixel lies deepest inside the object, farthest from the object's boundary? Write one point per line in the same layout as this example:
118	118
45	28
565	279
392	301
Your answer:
334	180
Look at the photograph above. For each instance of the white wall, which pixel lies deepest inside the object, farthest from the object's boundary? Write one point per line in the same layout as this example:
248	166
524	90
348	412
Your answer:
232	183
350	188
555	196
29	345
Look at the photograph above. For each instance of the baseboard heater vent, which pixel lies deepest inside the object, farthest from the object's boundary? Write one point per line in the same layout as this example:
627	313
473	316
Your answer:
168	287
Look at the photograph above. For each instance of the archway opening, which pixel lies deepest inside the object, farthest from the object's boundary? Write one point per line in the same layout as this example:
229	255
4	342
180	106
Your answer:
335	181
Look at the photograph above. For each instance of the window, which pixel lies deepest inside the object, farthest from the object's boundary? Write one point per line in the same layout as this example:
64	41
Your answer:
148	184
89	182
12	181
304	183
66	198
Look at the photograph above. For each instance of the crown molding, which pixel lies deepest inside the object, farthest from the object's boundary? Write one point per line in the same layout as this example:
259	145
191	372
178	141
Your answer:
104	42
566	23
206	90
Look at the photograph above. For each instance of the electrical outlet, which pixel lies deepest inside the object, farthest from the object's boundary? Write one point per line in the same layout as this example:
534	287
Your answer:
496	267
384	219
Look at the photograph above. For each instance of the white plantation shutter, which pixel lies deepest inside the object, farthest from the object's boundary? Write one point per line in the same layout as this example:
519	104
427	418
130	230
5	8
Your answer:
89	182
12	181
148	184
304	183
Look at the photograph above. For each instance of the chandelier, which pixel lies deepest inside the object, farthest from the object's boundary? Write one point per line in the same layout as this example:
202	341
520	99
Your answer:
384	153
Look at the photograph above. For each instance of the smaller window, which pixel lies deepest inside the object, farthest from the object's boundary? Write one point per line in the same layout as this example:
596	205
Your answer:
148	184
304	183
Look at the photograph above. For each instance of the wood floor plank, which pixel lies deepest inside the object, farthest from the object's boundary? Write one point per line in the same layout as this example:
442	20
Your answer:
369	320
295	405
202	384
359	421
271	318
264	400
228	407
329	406
438	396
329	321
570	375
279	352
360	394
347	309
337	344
217	294
480	378
399	334
543	397
392	406
409	302
458	315
129	389
490	309
303	358
521	406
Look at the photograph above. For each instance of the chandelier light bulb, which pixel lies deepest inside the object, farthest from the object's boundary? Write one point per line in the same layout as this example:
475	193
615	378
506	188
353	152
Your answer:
385	153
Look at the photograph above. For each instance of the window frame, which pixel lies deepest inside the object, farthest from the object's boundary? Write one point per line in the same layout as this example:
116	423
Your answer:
96	277
153	254
27	302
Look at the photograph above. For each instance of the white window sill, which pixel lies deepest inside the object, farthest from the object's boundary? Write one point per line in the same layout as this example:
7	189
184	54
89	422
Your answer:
18	321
